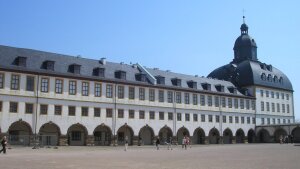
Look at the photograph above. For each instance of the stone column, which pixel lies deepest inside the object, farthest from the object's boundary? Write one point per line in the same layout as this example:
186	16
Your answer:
63	140
114	141
220	141
90	140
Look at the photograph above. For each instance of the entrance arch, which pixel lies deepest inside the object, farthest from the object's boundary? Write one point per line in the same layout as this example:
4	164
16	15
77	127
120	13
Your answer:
77	134
181	133
227	136
296	135
146	135
123	132
239	136
102	135
49	134
199	136
19	133
214	136
263	136
164	134
251	136
279	132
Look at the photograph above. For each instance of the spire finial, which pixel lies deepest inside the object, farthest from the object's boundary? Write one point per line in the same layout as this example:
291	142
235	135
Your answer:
243	16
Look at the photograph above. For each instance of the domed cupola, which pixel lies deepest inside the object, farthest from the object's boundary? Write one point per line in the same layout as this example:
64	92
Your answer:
244	47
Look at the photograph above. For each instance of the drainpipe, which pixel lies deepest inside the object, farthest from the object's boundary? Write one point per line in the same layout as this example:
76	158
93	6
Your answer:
36	111
221	120
175	114
115	113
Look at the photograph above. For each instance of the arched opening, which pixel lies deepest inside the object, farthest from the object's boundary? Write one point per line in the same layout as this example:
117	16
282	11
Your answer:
280	132
146	135
199	136
239	136
296	135
123	132
49	134
102	135
263	136
251	136
19	133
214	136
77	135
182	132
227	136
164	134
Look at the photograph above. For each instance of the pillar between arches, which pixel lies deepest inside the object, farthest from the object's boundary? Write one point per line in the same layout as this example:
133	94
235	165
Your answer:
233	140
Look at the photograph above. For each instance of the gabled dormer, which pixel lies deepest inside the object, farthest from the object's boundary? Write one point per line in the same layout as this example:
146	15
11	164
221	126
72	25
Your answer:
220	88
98	71
206	86
48	65
176	82
192	84
120	74
160	80
141	77
232	90
74	68
20	61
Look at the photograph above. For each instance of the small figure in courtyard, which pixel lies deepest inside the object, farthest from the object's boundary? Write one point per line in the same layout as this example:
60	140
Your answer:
286	139
3	143
184	142
126	143
188	142
170	144
157	143
280	139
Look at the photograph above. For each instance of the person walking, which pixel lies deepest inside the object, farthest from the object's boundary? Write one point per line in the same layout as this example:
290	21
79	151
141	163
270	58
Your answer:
170	144
157	143
3	143
184	142
126	143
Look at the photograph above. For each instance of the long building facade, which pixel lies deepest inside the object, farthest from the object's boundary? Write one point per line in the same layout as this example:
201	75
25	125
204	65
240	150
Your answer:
67	100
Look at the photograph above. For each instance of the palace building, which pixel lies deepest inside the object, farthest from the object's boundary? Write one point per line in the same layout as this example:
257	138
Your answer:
67	100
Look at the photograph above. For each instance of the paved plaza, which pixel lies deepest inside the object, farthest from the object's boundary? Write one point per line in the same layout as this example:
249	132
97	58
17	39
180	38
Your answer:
235	156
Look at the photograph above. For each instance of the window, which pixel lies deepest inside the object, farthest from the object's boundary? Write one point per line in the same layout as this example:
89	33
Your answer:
217	101
278	107
209	100
273	120
109	91
223	101
161	97
202	117
97	91
247	104
97	112
242	103
230	119
224	119
267	93
1	106
236	119
29	83
288	108
120	113
141	93
131	114
72	110
44	85
195	117
151	115
283	108
278	121
217	118
268	120
236	103
287	97
161	115
248	120
170	97
187	117
28	108
195	99
109	113
131	93
230	102
178	97
57	109
142	114
272	94
170	116
284	121
282	95
242	120
72	87
84	111
178	116
277	95
202	100
253	104
121	92
273	107
43	109
15	82
261	93
289	121
152	95
262	106
1	80
254	121
58	86
262	121
210	118
186	98
76	135
85	89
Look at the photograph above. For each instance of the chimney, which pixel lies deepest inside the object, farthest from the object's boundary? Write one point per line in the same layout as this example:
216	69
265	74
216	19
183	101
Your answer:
102	61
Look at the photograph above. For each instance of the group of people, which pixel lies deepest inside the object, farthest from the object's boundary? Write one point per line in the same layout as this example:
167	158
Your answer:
186	142
3	144
286	139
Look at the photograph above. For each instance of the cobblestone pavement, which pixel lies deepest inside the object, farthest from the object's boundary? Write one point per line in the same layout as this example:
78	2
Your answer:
237	156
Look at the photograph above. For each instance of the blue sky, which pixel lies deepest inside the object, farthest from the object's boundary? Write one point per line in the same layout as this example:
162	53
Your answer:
191	37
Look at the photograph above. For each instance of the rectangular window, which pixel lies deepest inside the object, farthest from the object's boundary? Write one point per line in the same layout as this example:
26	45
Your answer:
217	102
72	87
151	115
97	91
131	114
109	91
248	120
224	119
57	109
229	102
187	117
131	93
1	106
278	121
261	93
217	118
236	103
278	107
161	115
253	104
202	100
247	104
268	120
161	96
287	97
268	106
152	95
195	117
28	108
272	94
72	110
283	108
242	120
242	103
170	116
58	86
282	96
236	119
209	100
85	89
170	97
43	109
273	121
76	135
44	85
121	92
262	106
84	111
277	95
288	108
120	113
262	121
142	114
29	83
1	80
284	121
210	118
178	97
195	99
186	98
15	82
273	107
230	119
109	113
289	121
202	117
253	120
141	93
267	93
97	112
223	101
178	116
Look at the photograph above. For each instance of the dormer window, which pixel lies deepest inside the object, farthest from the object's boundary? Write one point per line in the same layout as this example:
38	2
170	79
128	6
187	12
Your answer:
120	75
192	84
48	65
263	66
220	88
280	80
176	82
206	86
269	68
98	71
160	80
270	78
74	68
232	90
275	79
141	77
263	76
20	61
